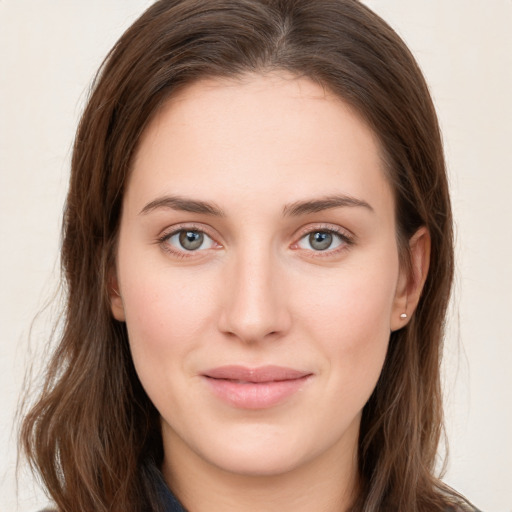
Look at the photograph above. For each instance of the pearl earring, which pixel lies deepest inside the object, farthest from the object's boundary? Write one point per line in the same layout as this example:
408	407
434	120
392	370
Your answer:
403	316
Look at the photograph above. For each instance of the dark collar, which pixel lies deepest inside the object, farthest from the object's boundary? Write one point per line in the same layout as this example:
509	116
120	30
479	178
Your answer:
167	498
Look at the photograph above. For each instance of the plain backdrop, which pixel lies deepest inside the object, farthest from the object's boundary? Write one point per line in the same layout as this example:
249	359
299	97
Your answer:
49	52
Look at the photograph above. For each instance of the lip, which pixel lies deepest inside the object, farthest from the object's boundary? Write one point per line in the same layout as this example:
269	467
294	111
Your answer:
255	388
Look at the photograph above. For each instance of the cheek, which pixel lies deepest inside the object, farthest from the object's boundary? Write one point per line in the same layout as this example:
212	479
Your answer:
354	300
349	317
165	319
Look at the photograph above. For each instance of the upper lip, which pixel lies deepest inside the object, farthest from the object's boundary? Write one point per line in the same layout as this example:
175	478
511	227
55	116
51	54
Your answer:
268	373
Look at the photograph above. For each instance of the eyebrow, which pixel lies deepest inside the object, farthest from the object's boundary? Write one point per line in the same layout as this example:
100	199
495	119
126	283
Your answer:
295	209
185	205
324	203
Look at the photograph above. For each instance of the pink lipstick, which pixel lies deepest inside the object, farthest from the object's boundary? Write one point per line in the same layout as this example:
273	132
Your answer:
255	388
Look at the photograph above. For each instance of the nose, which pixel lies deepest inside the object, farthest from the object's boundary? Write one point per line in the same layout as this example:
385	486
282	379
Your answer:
255	306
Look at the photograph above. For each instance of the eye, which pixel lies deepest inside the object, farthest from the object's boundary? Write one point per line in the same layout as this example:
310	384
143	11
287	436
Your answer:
189	240
322	240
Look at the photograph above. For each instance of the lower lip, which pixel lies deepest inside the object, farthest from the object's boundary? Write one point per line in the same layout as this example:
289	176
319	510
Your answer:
255	395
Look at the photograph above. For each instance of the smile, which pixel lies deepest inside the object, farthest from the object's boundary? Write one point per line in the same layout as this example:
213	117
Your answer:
255	388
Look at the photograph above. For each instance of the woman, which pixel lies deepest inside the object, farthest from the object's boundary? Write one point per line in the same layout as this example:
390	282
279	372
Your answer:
258	253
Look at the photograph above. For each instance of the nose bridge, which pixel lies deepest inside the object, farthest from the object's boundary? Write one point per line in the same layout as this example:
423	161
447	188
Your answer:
255	305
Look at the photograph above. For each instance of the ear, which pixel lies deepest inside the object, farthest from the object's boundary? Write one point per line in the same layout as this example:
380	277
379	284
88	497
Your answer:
411	279
116	300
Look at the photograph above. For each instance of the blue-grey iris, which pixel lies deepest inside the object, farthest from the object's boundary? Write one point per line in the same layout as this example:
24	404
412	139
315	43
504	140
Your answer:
191	240
320	240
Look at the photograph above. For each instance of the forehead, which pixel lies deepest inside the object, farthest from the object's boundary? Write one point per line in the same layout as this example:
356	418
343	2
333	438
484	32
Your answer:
257	134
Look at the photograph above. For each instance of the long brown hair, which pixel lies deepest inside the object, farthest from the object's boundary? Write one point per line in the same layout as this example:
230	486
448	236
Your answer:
94	435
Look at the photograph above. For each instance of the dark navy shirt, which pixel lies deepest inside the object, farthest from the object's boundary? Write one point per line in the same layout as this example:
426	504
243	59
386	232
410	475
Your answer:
167	498
171	504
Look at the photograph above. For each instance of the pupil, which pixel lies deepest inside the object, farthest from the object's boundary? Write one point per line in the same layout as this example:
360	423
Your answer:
320	240
191	240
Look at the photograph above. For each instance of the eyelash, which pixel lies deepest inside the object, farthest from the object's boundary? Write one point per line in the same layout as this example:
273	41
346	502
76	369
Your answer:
182	254
346	240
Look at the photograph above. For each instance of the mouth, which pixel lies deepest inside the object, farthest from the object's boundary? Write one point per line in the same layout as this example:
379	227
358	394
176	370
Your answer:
255	388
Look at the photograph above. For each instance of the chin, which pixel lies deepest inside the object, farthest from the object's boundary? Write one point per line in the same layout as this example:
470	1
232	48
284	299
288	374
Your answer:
260	449
258	461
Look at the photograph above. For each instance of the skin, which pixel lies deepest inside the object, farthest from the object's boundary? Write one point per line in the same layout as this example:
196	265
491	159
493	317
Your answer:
257	292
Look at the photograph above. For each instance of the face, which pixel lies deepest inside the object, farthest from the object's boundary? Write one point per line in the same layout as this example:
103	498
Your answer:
258	272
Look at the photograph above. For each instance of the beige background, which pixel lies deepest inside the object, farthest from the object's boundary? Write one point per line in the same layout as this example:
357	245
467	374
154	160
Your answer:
49	52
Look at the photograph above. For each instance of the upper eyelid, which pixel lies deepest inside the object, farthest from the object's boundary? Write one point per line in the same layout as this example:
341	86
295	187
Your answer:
331	228
176	228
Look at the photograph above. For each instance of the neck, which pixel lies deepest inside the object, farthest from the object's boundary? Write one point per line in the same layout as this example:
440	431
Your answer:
327	483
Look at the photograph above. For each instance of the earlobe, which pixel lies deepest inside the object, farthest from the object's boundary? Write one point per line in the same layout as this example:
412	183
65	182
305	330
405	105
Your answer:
116	301
412	279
